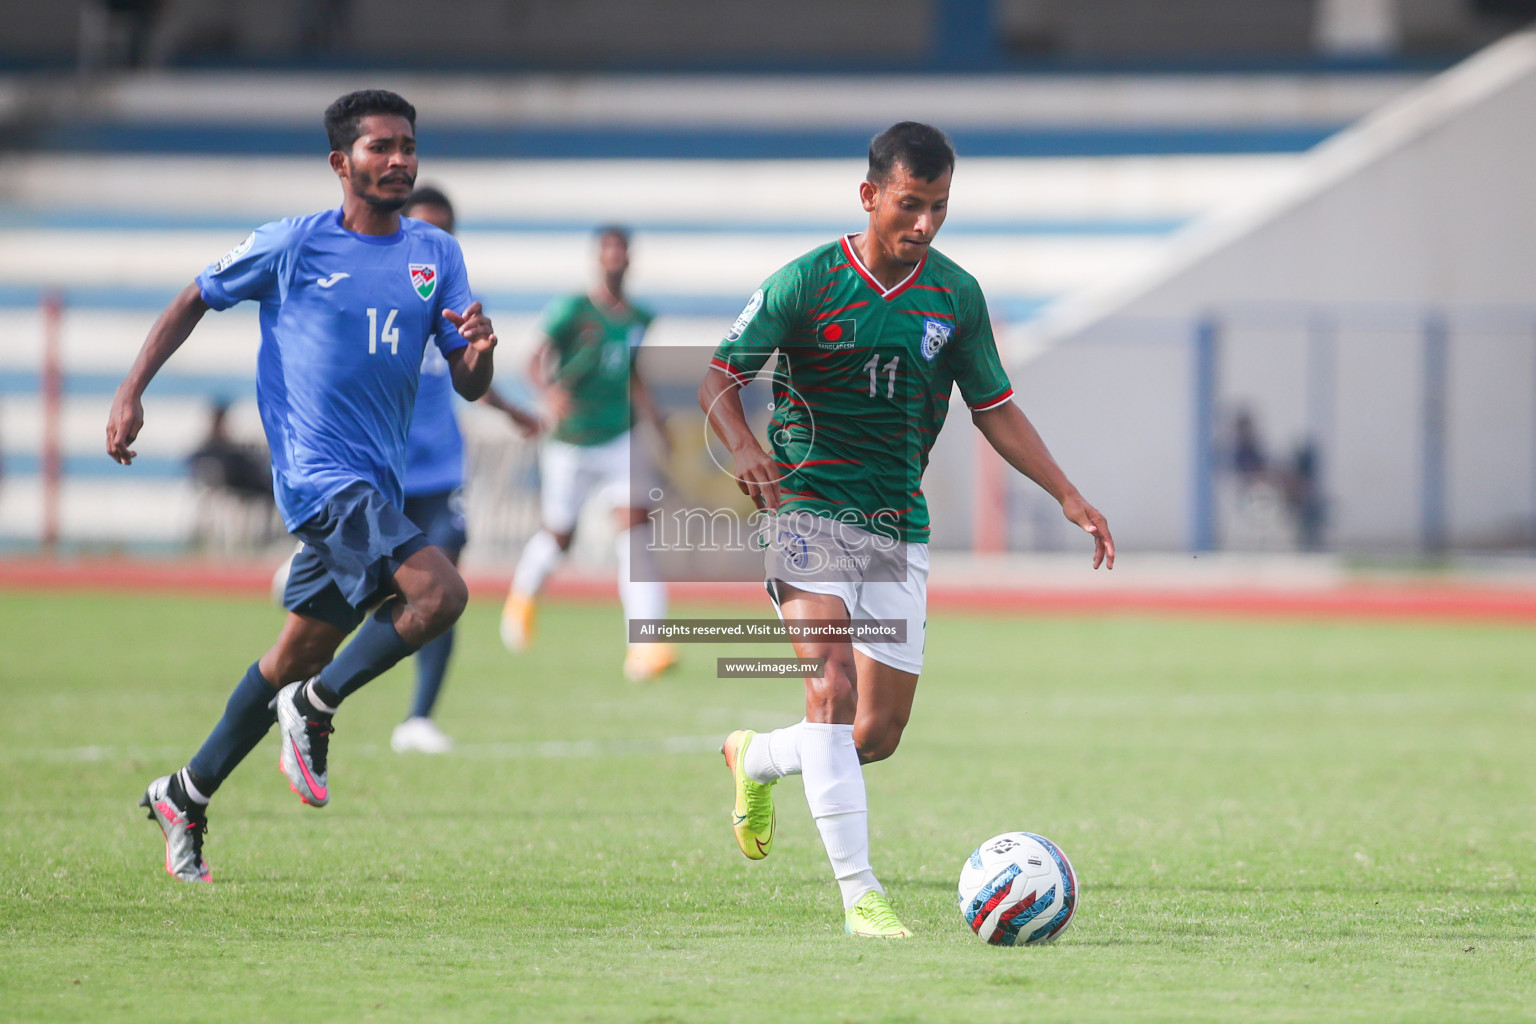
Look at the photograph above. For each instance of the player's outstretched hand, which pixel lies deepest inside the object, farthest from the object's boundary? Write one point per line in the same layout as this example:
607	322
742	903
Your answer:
527	423
474	327
1093	523
123	425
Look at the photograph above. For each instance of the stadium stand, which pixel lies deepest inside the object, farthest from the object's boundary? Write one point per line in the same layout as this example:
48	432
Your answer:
1066	182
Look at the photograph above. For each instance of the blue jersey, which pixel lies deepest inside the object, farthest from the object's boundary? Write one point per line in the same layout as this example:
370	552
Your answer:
345	322
434	452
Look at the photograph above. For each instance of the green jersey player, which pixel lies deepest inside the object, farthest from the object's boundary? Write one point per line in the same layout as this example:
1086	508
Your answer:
586	368
867	337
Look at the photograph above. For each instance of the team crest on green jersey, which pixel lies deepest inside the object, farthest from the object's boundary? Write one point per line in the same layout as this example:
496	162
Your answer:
935	334
424	279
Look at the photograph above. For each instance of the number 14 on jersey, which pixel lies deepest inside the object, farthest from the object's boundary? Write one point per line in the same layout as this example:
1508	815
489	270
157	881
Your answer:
390	335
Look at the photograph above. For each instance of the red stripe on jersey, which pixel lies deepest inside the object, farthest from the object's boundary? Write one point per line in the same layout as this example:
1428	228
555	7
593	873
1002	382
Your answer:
934	288
817	462
858	267
994	403
908	282
874	282
811	494
721	364
834	312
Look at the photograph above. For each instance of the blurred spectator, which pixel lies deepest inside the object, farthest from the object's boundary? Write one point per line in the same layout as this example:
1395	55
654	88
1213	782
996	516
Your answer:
1247	458
222	464
1251	506
236	513
1303	496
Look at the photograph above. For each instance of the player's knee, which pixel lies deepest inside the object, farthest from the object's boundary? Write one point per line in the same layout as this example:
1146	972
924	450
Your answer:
834	695
877	741
441	606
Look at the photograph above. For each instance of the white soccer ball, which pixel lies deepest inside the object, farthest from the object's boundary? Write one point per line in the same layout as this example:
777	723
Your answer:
1018	889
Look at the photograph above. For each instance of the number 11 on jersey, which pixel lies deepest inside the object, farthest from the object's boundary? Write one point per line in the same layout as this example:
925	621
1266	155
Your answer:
389	336
889	369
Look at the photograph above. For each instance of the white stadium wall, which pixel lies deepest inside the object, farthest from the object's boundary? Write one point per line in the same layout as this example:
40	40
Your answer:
1324	294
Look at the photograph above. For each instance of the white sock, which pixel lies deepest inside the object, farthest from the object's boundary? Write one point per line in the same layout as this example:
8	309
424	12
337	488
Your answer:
834	788
773	755
540	556
193	793
314	698
645	598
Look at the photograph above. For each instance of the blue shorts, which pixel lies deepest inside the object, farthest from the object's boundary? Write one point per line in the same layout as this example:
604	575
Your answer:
440	516
351	551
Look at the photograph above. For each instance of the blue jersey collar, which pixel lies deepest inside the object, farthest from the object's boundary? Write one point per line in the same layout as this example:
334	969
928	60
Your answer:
371	239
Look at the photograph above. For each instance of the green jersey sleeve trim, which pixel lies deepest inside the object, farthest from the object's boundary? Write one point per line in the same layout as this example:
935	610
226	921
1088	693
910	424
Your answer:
978	369
1002	399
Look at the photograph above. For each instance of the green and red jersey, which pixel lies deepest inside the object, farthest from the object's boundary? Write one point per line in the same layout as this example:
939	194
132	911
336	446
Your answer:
594	350
862	381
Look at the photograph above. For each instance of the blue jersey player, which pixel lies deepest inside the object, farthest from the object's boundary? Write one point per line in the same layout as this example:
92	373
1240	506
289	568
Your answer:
434	481
349	298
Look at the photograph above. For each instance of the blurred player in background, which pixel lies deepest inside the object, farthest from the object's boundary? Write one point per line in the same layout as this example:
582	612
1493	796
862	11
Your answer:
873	332
586	370
434	498
350	299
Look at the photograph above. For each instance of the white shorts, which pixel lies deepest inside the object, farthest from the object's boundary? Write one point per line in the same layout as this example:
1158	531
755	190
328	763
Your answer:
877	578
570	474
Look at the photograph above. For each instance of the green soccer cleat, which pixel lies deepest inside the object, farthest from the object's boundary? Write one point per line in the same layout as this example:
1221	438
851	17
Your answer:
752	819
873	918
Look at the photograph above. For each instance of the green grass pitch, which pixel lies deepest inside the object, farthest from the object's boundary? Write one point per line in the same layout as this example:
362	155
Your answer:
1325	821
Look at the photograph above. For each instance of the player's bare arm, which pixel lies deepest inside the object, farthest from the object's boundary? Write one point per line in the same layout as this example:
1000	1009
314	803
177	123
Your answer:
1009	431
171	328
528	424
756	473
554	400
648	409
473	365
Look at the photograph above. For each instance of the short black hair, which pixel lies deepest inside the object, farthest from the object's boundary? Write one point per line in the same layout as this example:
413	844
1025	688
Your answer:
343	119
922	149
426	195
604	230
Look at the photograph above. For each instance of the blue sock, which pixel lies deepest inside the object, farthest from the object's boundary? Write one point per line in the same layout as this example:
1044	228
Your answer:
247	717
431	667
373	651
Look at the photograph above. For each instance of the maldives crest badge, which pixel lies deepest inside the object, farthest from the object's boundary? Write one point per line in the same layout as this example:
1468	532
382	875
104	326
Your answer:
424	279
935	334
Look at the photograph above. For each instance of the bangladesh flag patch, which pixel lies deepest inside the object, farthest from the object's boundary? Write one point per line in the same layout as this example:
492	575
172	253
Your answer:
424	279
